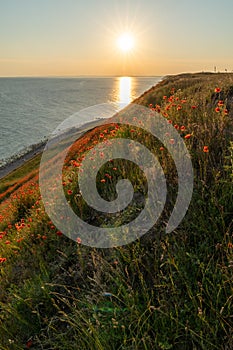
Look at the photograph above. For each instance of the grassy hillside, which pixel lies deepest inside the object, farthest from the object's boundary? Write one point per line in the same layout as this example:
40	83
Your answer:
163	291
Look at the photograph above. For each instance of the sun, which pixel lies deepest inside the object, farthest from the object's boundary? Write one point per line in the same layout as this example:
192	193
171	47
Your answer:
125	42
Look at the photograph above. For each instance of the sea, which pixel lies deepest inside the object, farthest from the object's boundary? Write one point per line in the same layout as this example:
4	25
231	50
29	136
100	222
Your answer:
31	108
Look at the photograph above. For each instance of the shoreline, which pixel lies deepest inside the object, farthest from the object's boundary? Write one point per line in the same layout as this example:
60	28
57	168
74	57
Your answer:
19	161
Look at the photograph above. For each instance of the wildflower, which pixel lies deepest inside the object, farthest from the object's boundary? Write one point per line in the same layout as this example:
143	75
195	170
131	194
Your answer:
103	180
78	240
217	89
225	111
187	136
206	149
172	141
2	260
7	242
101	135
179	107
230	245
220	103
29	344
176	127
69	192
76	164
59	233
161	148
113	132
164	97
194	107
217	109
182	128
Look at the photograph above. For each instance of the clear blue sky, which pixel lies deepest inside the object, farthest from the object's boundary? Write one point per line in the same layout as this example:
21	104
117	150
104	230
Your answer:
78	37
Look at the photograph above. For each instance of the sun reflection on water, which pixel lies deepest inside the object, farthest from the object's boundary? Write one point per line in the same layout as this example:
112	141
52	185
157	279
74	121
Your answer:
125	93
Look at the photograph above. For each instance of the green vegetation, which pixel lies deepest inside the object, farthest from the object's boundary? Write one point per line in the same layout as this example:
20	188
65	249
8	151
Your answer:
163	291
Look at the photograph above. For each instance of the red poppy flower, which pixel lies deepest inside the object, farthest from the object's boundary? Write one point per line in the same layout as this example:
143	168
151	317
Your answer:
217	109
206	149
29	344
69	192
187	136
78	240
217	89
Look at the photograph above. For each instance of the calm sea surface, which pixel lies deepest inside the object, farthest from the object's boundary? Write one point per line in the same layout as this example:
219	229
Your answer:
31	108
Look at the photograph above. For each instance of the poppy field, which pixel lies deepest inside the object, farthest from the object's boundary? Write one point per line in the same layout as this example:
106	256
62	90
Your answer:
162	291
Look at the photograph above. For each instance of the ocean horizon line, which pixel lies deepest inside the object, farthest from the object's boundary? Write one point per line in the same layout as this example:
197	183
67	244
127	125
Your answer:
79	76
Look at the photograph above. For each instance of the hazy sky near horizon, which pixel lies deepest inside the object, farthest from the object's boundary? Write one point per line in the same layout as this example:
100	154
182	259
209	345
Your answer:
78	37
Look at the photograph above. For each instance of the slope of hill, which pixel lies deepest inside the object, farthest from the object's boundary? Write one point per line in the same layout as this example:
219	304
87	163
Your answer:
163	291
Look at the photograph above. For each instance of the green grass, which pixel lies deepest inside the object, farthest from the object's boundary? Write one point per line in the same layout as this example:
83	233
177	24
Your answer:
163	291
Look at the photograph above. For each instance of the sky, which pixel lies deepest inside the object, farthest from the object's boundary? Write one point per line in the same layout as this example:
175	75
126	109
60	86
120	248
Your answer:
79	37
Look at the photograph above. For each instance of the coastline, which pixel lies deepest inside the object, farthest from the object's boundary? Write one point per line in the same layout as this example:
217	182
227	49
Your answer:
21	160
38	149
18	160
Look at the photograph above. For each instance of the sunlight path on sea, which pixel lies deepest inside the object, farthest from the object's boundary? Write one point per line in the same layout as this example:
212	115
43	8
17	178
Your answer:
125	93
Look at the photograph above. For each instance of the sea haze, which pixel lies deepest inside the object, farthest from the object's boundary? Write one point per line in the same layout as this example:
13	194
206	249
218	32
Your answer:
31	108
